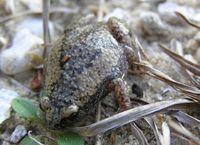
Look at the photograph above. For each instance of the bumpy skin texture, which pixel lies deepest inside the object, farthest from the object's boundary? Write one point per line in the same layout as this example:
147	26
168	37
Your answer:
79	70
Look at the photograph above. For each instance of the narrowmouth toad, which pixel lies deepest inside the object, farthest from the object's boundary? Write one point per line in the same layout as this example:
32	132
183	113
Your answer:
83	66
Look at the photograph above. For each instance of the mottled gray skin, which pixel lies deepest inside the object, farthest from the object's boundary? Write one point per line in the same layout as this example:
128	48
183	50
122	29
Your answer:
80	68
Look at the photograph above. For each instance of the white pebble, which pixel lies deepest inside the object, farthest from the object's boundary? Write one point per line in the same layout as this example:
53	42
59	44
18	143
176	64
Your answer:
5	143
25	53
6	96
35	26
119	13
153	25
19	132
168	7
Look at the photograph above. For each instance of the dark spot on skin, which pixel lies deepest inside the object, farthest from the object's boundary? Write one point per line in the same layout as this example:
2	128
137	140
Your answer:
137	90
88	65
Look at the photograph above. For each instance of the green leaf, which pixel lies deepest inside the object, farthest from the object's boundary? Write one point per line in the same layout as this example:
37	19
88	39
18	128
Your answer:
27	141
25	108
69	139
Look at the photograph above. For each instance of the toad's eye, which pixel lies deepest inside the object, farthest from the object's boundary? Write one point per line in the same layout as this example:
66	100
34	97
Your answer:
45	103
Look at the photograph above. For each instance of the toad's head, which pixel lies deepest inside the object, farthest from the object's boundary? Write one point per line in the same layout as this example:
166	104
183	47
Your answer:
56	112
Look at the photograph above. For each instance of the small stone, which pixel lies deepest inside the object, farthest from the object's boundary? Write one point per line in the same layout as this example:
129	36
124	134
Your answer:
5	143
6	96
25	53
119	13
153	25
34	25
19	132
168	7
171	7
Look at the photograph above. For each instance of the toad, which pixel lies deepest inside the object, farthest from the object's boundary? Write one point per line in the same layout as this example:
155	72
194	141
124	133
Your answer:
83	66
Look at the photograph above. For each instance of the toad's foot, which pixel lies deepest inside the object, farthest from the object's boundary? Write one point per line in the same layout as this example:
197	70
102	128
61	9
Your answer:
119	87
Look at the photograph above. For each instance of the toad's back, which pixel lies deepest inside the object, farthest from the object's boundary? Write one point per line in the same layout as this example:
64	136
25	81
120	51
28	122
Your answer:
81	62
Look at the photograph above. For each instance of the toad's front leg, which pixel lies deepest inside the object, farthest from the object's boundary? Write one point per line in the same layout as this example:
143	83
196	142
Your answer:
119	87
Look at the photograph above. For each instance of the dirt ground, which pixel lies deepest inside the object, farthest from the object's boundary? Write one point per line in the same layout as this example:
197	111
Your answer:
152	22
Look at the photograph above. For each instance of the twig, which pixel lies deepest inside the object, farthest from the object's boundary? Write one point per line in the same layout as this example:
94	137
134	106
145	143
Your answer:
98	117
183	131
183	88
194	68
131	115
141	50
46	34
151	1
187	20
48	137
32	138
34	12
20	14
137	132
165	136
100	10
154	127
18	85
185	118
191	78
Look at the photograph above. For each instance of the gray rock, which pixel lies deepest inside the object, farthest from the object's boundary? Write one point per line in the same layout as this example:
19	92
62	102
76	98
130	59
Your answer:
19	132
